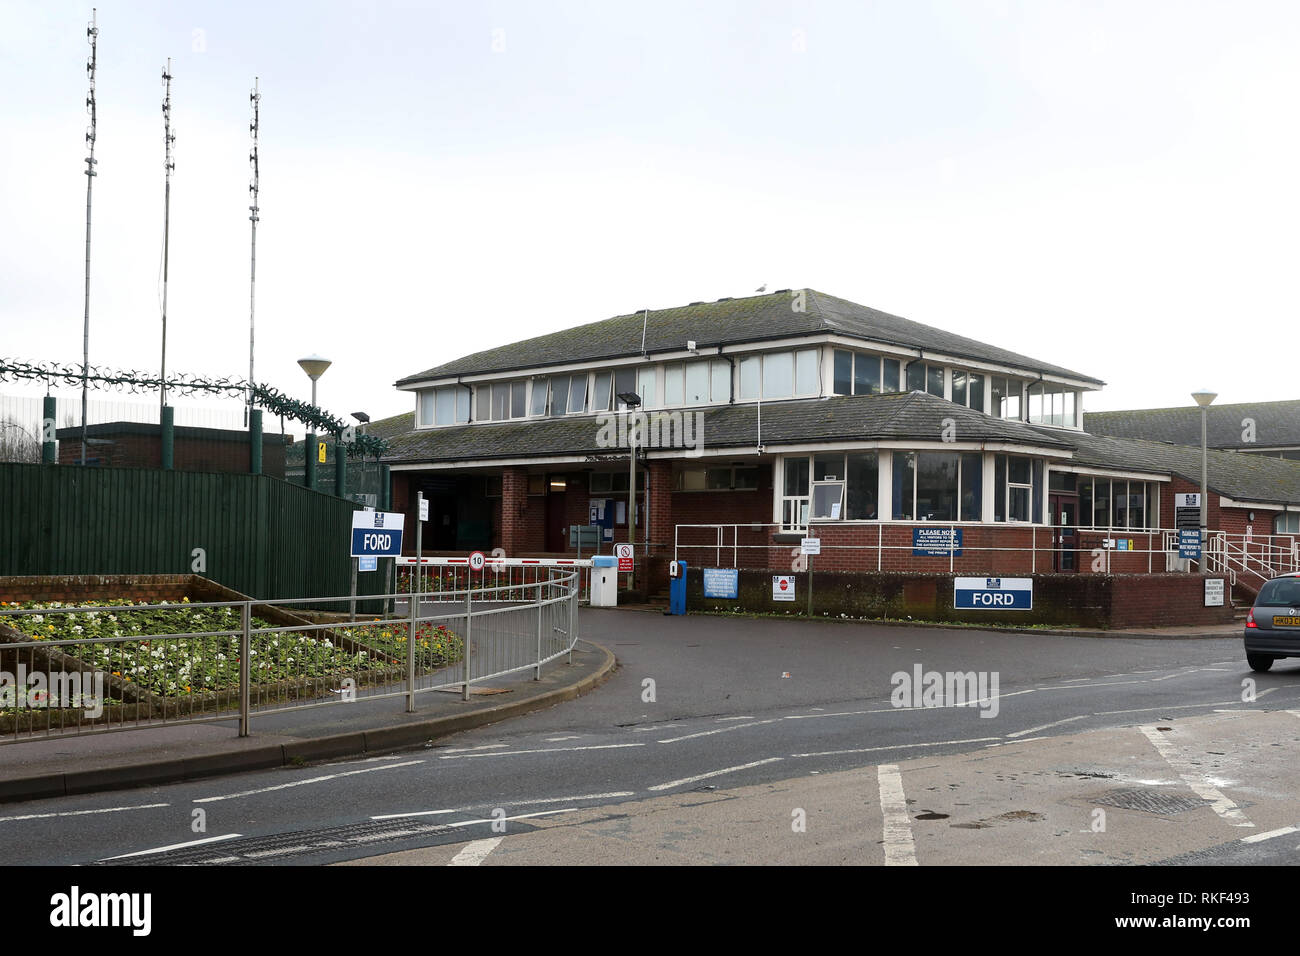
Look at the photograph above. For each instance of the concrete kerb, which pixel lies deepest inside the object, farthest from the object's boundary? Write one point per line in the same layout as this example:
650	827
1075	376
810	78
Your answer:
354	743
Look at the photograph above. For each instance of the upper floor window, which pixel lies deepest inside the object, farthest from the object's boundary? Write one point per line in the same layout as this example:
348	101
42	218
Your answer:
501	401
780	375
1006	394
858	373
968	389
448	405
925	378
1053	405
697	383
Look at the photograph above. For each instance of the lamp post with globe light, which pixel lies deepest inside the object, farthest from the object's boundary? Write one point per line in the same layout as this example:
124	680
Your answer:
1204	397
315	367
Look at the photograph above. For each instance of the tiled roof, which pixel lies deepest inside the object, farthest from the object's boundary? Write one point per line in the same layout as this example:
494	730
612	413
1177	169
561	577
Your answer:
728	322
1241	477
914	415
1226	426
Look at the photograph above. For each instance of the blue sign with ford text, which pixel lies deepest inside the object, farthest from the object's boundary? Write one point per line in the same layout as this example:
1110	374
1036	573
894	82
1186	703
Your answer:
993	594
376	534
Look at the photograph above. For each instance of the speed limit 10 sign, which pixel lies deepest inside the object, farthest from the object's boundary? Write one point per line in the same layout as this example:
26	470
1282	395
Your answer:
476	561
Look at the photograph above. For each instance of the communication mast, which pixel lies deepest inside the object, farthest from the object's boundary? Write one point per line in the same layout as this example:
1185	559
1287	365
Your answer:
168	165
255	98
92	31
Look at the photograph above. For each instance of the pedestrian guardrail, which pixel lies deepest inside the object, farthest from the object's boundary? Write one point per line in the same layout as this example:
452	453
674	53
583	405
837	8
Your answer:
68	670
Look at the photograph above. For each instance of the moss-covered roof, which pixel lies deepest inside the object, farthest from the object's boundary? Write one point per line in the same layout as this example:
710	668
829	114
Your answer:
1244	425
729	322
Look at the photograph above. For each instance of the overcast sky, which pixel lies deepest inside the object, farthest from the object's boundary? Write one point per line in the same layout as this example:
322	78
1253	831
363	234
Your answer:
1105	186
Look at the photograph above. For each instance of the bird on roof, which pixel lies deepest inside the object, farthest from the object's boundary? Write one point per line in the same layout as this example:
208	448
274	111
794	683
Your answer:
762	288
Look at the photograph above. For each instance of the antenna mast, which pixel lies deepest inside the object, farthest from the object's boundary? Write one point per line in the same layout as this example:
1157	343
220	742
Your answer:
168	166
255	98
92	32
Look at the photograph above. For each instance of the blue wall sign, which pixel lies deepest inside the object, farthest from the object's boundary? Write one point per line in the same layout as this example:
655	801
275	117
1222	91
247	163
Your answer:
376	534
721	583
993	594
936	542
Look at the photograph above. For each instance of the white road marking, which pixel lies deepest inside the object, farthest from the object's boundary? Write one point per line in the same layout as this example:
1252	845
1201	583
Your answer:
1261	837
545	750
174	846
714	773
1168	707
1200	785
301	783
556	740
511	803
899	848
868	750
1055	723
461	750
720	730
476	852
721	719
646	730
79	813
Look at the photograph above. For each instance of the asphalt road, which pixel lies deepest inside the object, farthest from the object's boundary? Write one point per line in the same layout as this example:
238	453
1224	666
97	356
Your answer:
732	704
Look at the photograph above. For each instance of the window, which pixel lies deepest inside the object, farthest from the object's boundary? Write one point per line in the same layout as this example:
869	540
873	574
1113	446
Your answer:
559	395
891	369
578	393
604	483
828	486
1006	393
492	486
448	405
720	375
1287	523
916	376
1108	503
858	373
1053	405
925	378
968	389
938	486
537	484
568	394
778	375
645	386
601	395
674	385
749	375
976	391
1016	484
539	396
863	473
794	498
843	373
725	478
959	387
697	383
807	375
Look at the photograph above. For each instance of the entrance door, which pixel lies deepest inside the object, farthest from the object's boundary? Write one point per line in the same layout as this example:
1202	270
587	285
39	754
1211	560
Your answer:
557	532
1065	531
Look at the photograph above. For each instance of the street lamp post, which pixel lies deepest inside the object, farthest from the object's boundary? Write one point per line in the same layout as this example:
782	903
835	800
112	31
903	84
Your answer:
633	401
1204	397
315	367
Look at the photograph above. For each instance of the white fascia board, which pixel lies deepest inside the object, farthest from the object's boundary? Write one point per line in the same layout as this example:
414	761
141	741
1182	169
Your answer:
1115	473
1226	502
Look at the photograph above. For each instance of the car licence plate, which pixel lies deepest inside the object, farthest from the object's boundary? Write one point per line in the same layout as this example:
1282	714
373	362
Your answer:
1280	621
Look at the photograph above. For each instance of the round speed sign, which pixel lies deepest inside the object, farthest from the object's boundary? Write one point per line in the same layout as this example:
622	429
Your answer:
476	561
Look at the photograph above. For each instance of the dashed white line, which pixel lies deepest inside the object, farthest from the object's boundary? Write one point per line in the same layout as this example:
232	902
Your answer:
461	750
1261	837
174	846
868	750
1219	803
711	774
1055	723
301	783
900	850
544	750
719	730
475	853
79	813
511	803
413	813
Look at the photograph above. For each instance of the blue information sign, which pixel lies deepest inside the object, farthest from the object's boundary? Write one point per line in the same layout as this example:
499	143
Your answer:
1189	544
376	534
721	583
994	594
936	542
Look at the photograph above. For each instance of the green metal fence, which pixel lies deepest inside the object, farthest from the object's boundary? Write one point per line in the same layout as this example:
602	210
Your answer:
262	536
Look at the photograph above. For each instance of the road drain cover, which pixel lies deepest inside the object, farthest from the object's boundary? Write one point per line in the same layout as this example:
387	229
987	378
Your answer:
1150	801
932	816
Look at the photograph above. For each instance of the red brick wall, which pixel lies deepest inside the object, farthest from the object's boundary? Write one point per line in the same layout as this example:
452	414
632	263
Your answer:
1164	601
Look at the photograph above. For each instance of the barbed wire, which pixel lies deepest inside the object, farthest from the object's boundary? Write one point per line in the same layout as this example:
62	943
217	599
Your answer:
134	382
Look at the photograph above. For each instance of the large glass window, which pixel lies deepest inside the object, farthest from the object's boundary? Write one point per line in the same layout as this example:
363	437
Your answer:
843	377
600	396
794	500
959	386
1287	524
1052	404
697	383
1006	397
904	484
448	405
674	385
807	376
937	486
1101	503
721	382
1016	485
749	376
539	396
976	391
778	375
445	406
972	486
891	374
862	471
578	393
916	376
559	395
645	386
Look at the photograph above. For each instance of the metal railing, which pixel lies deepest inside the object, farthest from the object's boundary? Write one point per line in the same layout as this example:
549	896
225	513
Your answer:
437	576
1255	559
1100	546
114	667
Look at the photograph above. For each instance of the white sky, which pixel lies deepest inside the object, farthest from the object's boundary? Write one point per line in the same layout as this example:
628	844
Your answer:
1105	186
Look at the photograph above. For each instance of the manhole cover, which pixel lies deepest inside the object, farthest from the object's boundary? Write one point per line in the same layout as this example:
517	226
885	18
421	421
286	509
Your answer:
1150	801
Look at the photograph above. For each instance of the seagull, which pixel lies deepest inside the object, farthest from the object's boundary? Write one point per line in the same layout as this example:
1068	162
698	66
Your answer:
762	288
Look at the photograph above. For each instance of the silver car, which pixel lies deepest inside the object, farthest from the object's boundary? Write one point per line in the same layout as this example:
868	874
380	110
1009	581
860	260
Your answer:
1273	624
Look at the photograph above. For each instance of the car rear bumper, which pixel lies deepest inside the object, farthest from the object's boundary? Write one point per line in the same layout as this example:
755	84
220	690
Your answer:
1262	640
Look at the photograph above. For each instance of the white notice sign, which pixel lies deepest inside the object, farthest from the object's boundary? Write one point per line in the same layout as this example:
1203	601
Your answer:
1214	592
810	545
783	587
